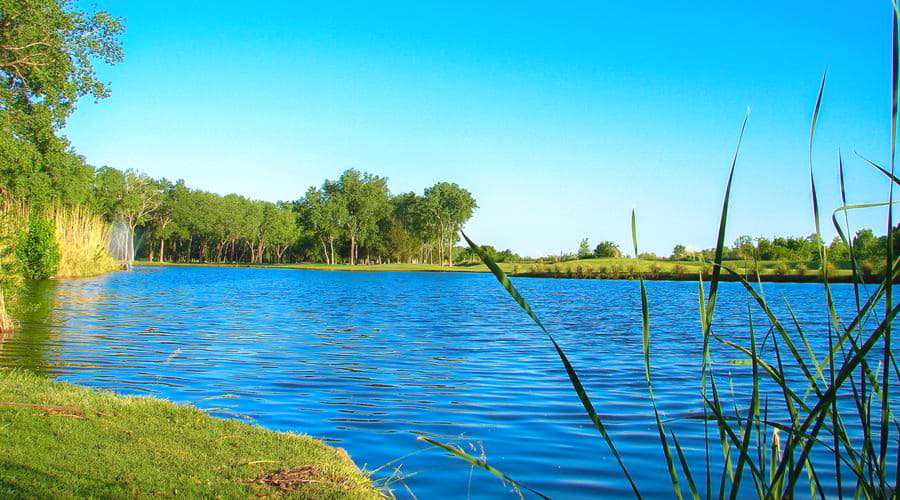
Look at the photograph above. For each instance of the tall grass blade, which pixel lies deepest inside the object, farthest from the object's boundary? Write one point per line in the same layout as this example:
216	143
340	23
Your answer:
889	291
720	241
481	464
645	328
743	455
570	371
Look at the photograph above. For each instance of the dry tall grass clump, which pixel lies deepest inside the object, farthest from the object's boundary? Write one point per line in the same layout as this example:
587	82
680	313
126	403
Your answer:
83	239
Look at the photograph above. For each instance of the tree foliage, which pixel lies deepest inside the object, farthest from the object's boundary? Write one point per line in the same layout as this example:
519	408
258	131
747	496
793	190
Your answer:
37	251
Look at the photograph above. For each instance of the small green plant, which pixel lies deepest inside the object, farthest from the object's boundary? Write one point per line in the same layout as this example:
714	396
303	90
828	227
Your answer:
679	269
655	269
579	271
37	250
802	269
868	269
515	269
603	270
616	270
781	269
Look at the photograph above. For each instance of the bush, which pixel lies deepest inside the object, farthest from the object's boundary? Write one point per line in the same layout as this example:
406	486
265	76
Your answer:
515	269
616	269
655	269
831	268
603	270
579	271
801	269
781	269
679	269
37	250
868	269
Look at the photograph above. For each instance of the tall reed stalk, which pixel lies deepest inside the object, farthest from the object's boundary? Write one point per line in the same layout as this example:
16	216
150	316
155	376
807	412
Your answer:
858	368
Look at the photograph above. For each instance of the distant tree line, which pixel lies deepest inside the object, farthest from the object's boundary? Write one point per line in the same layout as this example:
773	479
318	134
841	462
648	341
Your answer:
866	247
351	220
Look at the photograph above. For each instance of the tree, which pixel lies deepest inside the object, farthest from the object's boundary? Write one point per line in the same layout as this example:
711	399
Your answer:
584	249
865	244
607	249
451	207
129	196
47	55
363	198
679	252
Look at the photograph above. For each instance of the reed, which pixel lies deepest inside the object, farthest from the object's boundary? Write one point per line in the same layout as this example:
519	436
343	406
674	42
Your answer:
756	459
83	239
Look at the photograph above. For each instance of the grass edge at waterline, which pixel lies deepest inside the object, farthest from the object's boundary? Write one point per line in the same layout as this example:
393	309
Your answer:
58	440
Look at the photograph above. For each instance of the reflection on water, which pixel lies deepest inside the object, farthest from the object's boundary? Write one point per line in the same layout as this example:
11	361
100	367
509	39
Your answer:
30	347
371	360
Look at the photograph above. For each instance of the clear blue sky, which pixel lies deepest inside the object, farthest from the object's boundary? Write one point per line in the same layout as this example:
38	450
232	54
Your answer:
559	119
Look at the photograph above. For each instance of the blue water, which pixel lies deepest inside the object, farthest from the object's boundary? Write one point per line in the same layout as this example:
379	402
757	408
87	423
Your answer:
369	361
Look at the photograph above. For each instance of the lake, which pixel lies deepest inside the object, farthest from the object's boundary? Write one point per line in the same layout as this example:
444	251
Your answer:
369	361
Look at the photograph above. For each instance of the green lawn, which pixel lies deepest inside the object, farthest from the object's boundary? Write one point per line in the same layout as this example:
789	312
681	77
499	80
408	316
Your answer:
58	440
606	267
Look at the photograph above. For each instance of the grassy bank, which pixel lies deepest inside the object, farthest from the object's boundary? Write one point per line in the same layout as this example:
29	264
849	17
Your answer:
769	271
58	440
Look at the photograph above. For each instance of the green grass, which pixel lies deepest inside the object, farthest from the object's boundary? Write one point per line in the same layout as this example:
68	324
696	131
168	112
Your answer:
58	440
599	268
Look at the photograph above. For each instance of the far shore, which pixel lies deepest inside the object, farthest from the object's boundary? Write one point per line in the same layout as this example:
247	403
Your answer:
567	270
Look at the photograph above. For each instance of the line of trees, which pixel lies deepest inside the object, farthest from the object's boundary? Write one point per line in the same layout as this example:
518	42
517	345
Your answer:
353	219
866	247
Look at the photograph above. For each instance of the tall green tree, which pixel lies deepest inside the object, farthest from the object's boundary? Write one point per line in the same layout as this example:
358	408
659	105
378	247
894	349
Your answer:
452	206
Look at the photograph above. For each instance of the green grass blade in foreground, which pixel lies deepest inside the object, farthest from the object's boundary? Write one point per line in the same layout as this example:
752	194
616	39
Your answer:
570	371
889	257
477	462
720	241
880	168
684	466
645	327
816	417
743	451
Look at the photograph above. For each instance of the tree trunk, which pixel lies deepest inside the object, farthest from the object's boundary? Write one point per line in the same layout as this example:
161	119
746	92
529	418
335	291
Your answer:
450	247
162	249
353	250
331	243
325	249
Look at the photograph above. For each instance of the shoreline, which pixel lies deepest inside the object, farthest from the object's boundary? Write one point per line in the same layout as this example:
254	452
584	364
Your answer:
811	277
83	442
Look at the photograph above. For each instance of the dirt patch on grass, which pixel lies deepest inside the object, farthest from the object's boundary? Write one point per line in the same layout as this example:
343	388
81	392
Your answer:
53	411
290	479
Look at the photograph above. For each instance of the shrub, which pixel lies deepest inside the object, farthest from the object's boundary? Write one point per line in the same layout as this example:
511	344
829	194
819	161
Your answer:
603	270
631	269
781	268
37	250
832	270
579	271
679	269
868	268
515	269
655	269
802	269
616	269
